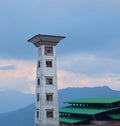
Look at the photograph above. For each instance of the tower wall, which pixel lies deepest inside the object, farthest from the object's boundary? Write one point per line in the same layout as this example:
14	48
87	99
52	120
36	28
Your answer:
44	89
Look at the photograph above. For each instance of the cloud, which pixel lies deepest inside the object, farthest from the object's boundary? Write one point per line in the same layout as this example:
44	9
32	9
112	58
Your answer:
88	70
87	24
21	79
89	55
83	5
7	67
76	70
69	79
110	5
89	63
30	89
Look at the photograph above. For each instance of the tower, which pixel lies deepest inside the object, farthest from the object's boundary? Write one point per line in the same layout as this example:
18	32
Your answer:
46	112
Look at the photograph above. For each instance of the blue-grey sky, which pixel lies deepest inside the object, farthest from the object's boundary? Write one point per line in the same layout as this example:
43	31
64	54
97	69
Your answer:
91	47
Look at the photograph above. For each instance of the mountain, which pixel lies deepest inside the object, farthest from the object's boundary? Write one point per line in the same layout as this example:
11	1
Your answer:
87	92
21	117
25	116
13	100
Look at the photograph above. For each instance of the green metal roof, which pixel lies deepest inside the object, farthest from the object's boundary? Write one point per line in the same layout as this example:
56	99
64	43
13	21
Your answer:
114	116
85	110
95	100
71	120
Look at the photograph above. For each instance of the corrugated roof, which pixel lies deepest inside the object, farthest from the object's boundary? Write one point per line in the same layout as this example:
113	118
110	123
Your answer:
85	110
114	116
71	120
95	100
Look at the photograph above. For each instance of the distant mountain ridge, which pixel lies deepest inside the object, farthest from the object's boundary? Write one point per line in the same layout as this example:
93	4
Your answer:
21	117
25	116
86	92
13	100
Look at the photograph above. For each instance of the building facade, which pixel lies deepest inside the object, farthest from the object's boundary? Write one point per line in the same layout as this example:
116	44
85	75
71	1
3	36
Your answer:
47	111
91	111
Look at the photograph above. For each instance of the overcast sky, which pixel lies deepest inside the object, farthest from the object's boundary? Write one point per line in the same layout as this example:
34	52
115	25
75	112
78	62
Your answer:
88	57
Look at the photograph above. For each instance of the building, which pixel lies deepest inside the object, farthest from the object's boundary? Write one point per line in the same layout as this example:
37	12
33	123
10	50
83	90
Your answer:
46	112
91	111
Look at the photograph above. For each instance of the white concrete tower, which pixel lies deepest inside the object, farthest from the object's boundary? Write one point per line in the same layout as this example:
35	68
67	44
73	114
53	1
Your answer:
46	113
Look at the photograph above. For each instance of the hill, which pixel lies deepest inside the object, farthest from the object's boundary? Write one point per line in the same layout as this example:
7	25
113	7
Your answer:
87	92
21	117
13	100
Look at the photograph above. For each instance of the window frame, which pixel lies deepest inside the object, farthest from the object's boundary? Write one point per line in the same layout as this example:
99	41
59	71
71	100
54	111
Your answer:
49	114
38	97
37	114
49	80
49	97
48	48
39	51
38	81
49	63
38	64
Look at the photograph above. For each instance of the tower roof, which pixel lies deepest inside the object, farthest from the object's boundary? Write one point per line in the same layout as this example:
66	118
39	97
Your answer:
39	40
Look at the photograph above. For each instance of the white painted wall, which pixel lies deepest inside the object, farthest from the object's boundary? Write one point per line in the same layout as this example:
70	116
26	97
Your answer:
42	89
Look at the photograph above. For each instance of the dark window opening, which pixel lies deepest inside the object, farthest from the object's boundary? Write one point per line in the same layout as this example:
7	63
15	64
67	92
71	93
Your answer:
49	97
38	97
49	80
49	113
48	63
38	81
37	114
38	64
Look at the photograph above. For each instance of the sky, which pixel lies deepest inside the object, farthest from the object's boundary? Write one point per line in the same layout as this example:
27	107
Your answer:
89	56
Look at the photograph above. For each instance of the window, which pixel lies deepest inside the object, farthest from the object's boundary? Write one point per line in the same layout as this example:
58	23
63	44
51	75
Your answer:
49	113
39	51
49	80
38	64
48	50
49	97
48	63
38	97
38	81
37	114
